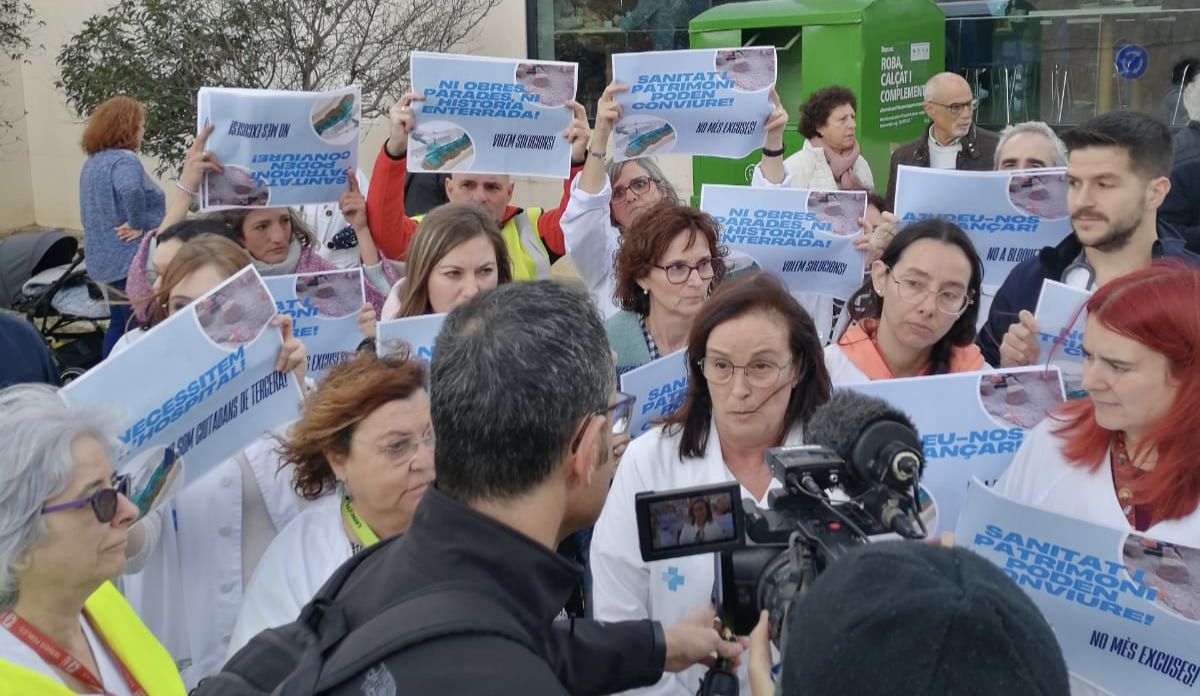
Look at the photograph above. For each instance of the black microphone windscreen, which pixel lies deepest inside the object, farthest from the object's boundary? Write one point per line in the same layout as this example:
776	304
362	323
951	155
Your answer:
837	423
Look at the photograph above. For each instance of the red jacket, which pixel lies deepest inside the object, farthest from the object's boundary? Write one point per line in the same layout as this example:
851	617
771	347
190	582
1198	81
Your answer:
392	228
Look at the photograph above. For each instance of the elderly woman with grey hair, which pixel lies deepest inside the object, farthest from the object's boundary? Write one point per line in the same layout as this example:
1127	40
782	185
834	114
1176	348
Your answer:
604	201
64	527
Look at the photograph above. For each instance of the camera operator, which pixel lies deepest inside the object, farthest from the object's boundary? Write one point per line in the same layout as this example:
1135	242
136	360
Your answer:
756	375
904	618
522	401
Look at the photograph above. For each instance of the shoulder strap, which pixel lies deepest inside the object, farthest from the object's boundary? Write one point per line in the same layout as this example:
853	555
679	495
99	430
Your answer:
439	611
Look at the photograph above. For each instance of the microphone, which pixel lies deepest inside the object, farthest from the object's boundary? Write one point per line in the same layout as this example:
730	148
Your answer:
878	442
785	385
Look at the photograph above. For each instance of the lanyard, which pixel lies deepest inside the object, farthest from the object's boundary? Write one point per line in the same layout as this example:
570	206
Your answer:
50	651
365	536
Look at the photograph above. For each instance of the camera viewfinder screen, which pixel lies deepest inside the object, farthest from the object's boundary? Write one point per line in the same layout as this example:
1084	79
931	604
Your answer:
691	521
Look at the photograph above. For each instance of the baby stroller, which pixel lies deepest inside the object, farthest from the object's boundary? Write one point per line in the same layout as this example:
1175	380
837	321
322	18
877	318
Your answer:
43	276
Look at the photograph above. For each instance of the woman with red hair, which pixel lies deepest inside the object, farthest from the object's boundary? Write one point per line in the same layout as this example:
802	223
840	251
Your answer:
1124	456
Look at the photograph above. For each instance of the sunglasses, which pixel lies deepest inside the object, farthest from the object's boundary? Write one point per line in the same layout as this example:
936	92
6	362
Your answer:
104	502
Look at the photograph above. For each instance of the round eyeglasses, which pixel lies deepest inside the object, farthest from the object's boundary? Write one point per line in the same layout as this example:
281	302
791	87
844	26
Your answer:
914	291
678	272
759	373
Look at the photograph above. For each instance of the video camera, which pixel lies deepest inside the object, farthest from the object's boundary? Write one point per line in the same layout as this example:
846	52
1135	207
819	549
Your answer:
860	479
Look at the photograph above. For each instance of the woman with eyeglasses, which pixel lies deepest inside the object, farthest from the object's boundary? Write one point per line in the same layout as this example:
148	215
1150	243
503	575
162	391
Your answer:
915	313
666	267
605	200
363	455
64	525
755	377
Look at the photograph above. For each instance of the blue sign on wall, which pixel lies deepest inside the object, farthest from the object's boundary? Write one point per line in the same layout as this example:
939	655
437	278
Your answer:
1131	61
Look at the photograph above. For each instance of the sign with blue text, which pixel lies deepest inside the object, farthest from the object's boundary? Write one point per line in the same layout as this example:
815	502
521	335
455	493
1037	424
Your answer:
696	102
278	148
660	387
206	381
324	309
1008	215
803	238
491	115
411	336
970	423
1123	606
1061	317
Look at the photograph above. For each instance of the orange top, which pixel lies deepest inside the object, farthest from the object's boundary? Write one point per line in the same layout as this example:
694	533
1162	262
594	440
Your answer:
858	343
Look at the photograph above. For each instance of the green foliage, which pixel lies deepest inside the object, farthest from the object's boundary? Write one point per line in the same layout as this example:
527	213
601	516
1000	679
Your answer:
16	18
161	52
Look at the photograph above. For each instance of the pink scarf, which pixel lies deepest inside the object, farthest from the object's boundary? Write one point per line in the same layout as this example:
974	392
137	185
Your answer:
842	164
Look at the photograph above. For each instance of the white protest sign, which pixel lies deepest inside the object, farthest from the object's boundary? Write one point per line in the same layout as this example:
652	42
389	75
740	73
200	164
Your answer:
660	387
698	102
1009	215
412	335
971	424
1061	317
324	309
1124	607
202	383
803	238
491	115
278	148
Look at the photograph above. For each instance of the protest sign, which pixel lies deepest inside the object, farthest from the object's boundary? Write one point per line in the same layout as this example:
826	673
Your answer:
1060	318
491	115
1009	216
278	148
803	238
970	423
699	102
660	386
324	309
1124	607
412	336
206	382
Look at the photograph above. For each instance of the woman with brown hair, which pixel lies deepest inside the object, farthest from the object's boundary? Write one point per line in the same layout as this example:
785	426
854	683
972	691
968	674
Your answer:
118	201
755	377
668	263
363	454
456	253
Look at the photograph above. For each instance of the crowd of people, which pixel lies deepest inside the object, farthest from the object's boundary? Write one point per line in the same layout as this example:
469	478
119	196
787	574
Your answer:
518	508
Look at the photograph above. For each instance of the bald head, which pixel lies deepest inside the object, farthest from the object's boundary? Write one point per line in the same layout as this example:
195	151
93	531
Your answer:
949	106
493	192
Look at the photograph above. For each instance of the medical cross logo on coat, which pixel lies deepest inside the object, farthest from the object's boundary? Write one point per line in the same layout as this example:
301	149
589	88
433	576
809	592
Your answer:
673	579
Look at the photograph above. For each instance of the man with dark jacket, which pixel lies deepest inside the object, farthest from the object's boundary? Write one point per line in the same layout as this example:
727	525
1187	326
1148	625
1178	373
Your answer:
1182	207
1117	171
951	140
523	405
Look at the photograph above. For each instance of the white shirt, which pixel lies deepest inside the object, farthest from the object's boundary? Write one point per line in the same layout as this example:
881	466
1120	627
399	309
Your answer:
13	650
592	242
625	587
690	532
295	566
187	586
943	156
326	220
842	371
1040	475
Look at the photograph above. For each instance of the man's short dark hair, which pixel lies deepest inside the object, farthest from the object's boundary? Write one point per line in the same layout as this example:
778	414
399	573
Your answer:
1146	139
514	372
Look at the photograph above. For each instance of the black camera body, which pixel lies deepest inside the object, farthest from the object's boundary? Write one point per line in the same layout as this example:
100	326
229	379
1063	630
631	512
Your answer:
768	556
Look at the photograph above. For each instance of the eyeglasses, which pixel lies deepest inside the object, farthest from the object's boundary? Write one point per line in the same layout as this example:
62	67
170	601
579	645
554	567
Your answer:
679	272
957	107
759	373
914	291
640	185
403	450
104	502
621	410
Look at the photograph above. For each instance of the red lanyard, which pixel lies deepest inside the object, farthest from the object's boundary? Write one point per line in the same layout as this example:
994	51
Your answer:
49	651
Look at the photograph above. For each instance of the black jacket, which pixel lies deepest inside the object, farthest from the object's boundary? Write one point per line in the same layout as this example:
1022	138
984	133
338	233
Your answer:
451	541
1023	285
978	154
1181	209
